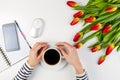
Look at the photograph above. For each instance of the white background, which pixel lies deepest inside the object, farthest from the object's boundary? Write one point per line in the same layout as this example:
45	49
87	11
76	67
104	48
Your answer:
57	16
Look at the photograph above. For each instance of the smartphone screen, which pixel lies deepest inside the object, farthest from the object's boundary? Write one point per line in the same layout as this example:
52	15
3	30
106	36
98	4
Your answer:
10	37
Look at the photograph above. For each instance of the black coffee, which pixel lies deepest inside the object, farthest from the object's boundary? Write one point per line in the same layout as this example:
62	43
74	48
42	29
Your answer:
51	56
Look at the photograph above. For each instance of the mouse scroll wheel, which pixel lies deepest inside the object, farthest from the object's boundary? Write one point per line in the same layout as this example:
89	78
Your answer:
38	22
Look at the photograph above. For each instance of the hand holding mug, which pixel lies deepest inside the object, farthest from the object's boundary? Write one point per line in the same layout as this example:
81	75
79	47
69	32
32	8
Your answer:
52	58
71	56
36	53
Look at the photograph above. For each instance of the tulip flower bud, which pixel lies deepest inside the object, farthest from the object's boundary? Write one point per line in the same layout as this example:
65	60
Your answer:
107	29
72	4
75	21
111	9
78	45
95	48
96	27
78	14
109	49
78	36
90	19
101	59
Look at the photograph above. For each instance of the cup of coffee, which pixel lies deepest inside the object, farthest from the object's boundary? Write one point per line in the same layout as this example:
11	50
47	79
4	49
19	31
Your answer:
52	56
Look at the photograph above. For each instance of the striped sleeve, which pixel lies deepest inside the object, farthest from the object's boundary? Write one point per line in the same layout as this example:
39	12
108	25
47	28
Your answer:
82	76
24	72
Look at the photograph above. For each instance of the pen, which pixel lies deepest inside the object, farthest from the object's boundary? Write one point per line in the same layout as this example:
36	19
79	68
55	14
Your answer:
22	34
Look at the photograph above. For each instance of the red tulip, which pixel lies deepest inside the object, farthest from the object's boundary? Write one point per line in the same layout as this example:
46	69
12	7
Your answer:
72	4
78	14
111	9
101	59
95	48
96	27
107	29
78	45
109	49
75	21
90	19
78	36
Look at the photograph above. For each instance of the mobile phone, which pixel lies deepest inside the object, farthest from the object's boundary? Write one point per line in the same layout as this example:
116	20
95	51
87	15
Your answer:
10	37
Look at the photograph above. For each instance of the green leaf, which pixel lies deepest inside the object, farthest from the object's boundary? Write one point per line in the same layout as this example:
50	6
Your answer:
112	17
116	36
100	37
118	43
104	16
90	9
114	1
108	36
117	5
84	24
106	0
97	43
118	1
94	2
90	36
90	2
104	45
101	5
87	28
118	49
79	8
115	24
110	1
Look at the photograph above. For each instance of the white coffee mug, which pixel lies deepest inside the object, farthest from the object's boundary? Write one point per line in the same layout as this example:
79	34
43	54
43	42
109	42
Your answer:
52	56
54	67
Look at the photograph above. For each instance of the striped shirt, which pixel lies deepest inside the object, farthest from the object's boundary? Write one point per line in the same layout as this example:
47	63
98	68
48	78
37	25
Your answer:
26	70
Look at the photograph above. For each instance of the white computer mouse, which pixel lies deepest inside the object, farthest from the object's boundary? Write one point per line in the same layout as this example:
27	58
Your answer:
37	27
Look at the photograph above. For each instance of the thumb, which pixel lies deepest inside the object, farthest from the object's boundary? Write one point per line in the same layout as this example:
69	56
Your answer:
63	52
40	55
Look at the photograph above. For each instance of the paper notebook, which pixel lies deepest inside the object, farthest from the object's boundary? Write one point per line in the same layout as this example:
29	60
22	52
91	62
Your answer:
8	59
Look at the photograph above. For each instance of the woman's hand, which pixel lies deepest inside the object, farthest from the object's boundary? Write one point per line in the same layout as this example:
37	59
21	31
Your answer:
36	53
71	56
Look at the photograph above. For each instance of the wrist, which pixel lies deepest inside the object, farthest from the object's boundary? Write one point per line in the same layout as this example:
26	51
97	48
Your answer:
30	64
31	67
78	68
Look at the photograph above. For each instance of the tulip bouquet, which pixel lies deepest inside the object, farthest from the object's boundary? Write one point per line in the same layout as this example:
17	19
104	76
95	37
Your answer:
102	17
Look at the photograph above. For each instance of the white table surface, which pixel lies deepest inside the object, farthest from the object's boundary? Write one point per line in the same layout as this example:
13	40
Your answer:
57	16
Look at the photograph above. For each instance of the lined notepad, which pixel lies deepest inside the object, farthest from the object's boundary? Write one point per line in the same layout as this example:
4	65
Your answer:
8	59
